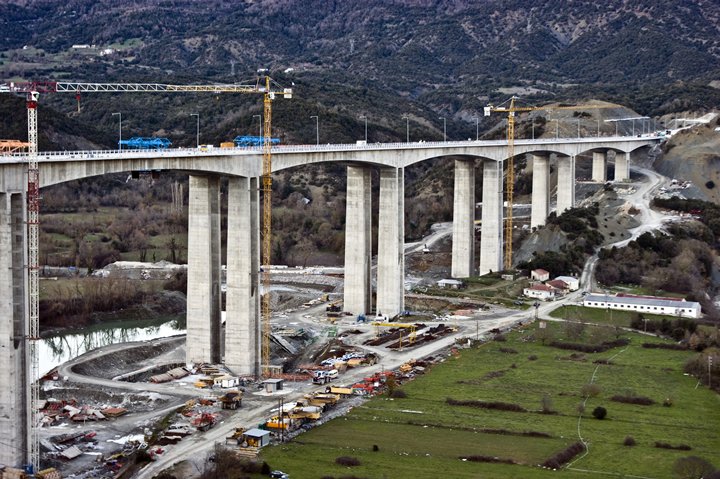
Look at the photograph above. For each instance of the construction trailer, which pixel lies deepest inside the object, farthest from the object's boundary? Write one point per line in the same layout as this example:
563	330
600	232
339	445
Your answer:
256	437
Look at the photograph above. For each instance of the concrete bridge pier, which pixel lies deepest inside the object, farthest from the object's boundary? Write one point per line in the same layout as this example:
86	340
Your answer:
358	241
391	240
599	166
540	190
203	298
14	372
622	166
565	184
242	295
463	245
491	236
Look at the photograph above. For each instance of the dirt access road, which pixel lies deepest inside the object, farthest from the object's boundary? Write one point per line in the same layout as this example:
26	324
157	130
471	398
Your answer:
197	447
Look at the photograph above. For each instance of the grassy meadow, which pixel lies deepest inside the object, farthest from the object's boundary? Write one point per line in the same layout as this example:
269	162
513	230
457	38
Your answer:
422	436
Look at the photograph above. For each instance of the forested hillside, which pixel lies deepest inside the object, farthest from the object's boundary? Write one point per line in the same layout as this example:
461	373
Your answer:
435	61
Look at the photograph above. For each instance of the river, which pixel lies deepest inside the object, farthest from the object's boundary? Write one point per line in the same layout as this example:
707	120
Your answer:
55	350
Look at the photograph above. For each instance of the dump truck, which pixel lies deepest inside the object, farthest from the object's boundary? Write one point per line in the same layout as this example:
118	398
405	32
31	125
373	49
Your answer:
278	423
204	421
339	390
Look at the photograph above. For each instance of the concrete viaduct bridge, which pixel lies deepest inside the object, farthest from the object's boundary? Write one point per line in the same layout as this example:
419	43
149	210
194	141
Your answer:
243	167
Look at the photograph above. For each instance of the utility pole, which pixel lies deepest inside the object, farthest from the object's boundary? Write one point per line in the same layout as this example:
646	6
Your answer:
120	133
709	371
317	129
364	117
197	129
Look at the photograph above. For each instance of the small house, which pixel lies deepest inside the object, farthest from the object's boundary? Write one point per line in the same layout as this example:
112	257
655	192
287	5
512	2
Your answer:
573	284
560	285
256	437
540	291
273	385
450	284
539	275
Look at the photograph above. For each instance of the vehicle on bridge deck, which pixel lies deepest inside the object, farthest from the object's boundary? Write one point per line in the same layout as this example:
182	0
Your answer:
144	143
249	140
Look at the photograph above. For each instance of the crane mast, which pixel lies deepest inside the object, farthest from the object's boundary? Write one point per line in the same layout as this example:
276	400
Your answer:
267	229
32	90
510	179
33	279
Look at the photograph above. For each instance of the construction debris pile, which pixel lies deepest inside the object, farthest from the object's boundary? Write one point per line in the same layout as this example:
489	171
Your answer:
405	336
55	412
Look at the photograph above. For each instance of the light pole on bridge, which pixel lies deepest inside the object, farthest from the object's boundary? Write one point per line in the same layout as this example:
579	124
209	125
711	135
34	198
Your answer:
259	117
119	114
407	128
197	129
444	128
317	129
364	117
557	128
477	127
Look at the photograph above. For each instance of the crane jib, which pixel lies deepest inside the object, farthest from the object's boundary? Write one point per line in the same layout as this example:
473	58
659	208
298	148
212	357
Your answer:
74	87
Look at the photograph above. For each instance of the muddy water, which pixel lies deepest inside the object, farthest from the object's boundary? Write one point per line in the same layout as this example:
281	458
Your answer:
58	349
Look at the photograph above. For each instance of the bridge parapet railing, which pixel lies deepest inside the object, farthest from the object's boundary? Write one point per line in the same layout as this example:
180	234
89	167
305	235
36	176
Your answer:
190	152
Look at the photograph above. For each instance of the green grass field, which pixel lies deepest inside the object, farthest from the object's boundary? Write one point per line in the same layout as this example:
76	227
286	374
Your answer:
601	316
422	436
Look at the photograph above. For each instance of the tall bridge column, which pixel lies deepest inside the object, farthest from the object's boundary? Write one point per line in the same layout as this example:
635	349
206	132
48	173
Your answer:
203	298
463	245
13	330
540	190
242	296
565	184
358	241
599	167
622	167
391	239
491	235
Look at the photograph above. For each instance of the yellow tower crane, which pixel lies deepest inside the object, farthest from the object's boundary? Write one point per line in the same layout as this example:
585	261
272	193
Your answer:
511	109
32	91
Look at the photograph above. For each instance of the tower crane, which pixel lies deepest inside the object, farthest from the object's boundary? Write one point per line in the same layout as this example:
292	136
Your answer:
511	109
32	90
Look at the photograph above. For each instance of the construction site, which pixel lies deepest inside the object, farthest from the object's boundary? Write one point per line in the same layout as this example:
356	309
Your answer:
114	410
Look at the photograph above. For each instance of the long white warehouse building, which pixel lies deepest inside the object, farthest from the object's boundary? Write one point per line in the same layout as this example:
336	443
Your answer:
645	304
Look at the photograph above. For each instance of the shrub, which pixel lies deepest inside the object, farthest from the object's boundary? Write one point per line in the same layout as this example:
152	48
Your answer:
487	459
564	456
629	441
599	412
591	348
532	357
398	394
679	447
692	467
632	399
667	402
710	184
500	338
546	405
591	390
508	350
347	461
376	448
500	406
